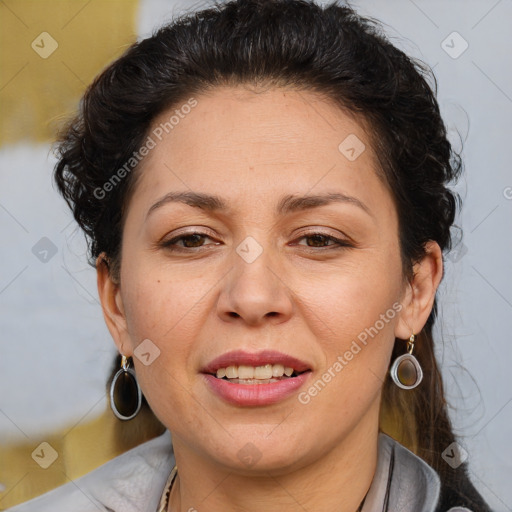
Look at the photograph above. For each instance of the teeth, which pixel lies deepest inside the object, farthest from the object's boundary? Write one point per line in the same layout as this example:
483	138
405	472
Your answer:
253	381
261	372
232	372
277	370
264	372
246	372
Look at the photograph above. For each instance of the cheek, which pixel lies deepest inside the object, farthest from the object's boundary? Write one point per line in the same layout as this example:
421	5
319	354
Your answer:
352	299
159	305
169	311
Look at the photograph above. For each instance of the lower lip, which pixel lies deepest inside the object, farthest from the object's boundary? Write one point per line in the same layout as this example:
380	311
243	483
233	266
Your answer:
255	394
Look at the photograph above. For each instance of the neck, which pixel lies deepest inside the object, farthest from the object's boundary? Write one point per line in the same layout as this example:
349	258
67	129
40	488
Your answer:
336	482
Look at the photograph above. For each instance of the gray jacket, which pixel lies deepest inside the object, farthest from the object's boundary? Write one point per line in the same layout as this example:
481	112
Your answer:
134	482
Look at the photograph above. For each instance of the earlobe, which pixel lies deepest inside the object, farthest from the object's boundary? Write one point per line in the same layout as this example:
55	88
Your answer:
421	291
112	304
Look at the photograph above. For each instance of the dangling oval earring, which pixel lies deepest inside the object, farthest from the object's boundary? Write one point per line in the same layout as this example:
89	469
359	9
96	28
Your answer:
125	393
406	371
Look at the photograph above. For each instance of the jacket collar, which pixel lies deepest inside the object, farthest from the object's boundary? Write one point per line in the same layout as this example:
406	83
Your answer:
403	482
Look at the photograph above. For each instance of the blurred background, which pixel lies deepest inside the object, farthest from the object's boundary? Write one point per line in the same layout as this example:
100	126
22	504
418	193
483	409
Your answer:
55	351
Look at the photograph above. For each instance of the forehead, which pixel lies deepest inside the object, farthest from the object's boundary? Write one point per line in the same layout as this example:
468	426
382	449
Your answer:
238	142
225	119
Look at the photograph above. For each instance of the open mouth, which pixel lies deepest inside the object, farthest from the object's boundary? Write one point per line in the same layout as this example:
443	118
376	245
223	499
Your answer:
237	377
262	374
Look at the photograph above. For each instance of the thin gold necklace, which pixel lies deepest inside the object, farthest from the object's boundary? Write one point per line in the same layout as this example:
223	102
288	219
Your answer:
164	500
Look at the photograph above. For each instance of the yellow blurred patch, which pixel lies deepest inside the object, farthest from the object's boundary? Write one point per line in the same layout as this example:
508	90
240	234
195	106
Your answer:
49	53
31	468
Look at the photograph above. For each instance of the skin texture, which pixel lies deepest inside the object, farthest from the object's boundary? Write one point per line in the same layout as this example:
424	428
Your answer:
251	148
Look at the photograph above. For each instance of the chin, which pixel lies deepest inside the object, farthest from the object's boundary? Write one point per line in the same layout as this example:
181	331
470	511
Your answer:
255	450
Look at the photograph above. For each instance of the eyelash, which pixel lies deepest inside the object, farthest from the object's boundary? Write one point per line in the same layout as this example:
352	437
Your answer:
170	244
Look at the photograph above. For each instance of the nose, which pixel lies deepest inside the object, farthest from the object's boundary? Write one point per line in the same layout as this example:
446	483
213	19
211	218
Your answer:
255	292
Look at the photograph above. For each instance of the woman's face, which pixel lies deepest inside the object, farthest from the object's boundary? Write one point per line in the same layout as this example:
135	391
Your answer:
258	281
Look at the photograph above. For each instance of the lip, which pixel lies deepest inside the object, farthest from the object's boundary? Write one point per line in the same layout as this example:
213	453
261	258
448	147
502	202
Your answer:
251	395
240	357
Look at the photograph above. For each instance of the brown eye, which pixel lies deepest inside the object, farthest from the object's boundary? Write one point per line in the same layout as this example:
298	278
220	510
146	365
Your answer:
193	240
320	241
188	240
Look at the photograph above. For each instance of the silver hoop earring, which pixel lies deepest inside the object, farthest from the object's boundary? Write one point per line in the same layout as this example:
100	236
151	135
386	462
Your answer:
406	371
125	393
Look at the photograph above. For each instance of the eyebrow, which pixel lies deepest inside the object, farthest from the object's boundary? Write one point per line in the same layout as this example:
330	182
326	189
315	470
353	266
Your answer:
287	204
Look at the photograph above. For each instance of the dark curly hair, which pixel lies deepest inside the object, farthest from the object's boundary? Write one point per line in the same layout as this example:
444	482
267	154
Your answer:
334	52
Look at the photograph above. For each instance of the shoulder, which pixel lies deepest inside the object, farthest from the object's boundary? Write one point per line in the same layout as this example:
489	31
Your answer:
415	485
133	481
458	494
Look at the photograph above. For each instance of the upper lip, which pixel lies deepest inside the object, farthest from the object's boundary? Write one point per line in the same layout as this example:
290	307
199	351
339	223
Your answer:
240	357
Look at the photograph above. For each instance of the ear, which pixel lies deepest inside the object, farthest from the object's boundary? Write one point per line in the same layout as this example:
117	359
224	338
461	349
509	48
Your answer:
418	298
112	305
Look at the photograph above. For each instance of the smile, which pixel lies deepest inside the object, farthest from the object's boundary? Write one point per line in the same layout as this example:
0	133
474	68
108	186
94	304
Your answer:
256	374
245	379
